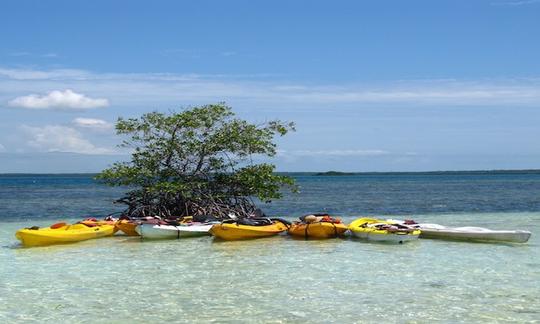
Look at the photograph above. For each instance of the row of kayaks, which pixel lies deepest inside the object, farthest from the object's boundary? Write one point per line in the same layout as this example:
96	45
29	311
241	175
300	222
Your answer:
316	226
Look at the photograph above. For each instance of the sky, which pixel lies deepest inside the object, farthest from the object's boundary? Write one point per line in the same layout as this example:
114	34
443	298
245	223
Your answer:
371	85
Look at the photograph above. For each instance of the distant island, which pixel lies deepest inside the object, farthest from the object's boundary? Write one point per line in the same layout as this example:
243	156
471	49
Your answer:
427	173
334	173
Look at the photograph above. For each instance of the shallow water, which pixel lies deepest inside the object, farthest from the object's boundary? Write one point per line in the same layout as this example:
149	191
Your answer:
279	279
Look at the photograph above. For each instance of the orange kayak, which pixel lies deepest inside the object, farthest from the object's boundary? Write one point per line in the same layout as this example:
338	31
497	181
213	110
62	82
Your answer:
319	230
128	227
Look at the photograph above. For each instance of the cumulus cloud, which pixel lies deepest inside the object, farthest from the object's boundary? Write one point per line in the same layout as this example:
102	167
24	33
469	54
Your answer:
57	138
92	123
57	99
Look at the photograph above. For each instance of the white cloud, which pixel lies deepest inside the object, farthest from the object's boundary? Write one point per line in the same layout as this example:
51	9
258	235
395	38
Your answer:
164	89
45	55
2	148
182	52
56	74
19	54
424	92
515	3
49	55
359	153
56	138
92	123
57	99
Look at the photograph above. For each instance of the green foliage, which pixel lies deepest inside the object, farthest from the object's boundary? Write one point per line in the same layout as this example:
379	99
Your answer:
198	160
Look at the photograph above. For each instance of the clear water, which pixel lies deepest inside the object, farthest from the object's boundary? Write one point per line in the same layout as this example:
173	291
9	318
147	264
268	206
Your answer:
279	279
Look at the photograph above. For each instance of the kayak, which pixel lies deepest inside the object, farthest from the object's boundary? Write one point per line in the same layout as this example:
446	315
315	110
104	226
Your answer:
468	233
237	231
317	230
128	227
380	230
62	233
162	231
319	226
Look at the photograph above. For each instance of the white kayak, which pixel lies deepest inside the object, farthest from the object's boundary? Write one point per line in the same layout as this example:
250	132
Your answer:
436	231
154	231
469	233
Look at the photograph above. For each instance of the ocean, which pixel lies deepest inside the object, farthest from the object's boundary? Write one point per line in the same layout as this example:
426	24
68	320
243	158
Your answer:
280	279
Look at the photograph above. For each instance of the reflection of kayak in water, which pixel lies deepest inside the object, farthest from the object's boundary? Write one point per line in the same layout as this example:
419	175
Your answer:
380	230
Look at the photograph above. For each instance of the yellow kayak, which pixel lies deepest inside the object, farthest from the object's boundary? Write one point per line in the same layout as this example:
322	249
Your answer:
318	227
381	230
62	233
236	231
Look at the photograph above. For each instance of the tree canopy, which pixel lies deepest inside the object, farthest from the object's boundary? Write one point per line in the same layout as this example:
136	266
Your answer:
199	161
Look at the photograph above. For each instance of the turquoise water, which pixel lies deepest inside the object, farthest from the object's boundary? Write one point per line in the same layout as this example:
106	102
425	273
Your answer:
279	279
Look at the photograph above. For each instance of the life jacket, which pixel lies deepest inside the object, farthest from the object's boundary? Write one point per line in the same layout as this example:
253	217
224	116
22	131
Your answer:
89	223
395	228
57	225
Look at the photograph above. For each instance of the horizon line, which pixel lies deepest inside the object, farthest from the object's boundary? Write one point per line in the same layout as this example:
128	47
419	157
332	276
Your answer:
326	171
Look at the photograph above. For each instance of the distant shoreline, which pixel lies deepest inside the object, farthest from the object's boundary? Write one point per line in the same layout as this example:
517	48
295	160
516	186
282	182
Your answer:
329	173
465	172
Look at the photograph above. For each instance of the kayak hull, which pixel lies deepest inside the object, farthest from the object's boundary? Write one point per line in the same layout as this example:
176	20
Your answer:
234	231
472	234
153	231
62	235
319	230
363	228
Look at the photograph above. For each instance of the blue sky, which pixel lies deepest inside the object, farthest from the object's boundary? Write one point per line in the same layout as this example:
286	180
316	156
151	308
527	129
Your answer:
372	85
